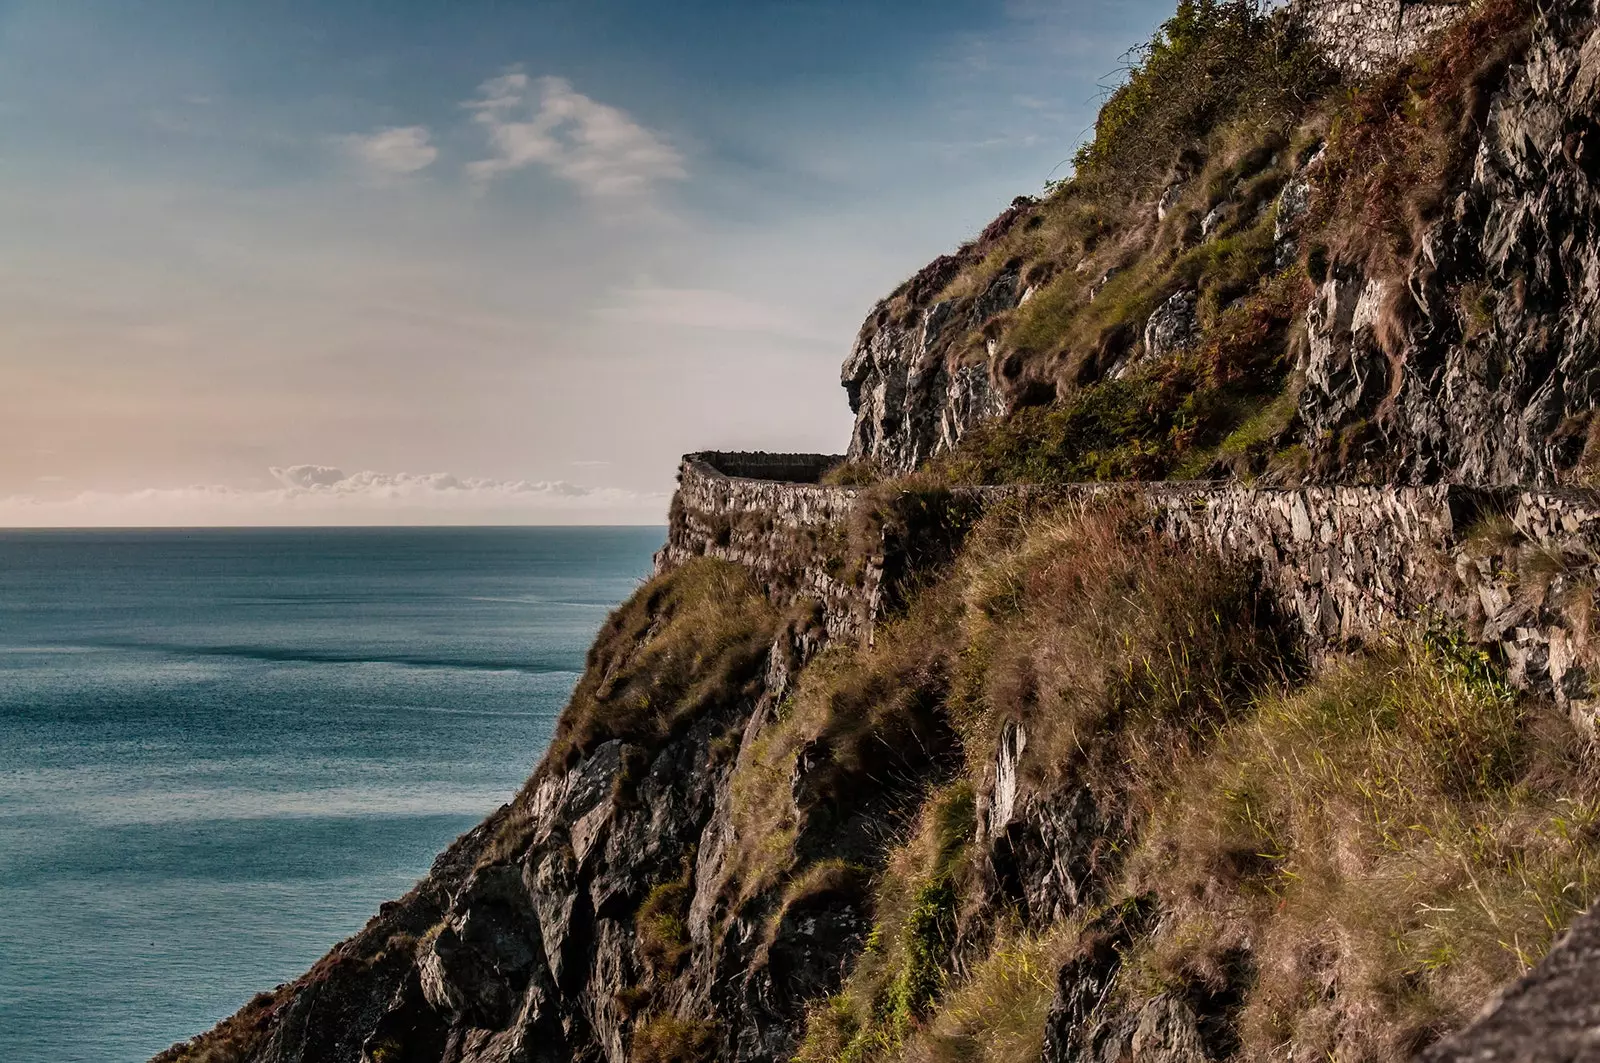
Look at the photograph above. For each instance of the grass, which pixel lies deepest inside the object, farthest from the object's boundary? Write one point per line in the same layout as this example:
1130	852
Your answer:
659	925
1117	652
669	1039
1155	422
871	725
694	638
1111	646
1341	866
1222	107
1390	843
691	642
998	1014
901	974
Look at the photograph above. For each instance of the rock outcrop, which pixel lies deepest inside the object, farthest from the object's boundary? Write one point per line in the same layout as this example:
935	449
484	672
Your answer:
618	909
522	943
1549	1016
917	383
1479	364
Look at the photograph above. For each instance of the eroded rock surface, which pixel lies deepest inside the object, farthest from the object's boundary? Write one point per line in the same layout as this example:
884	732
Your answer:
1481	364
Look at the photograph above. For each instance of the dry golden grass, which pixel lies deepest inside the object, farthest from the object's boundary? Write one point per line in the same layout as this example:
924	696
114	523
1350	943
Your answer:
669	1039
694	638
692	641
998	1014
1112	647
1390	845
1354	862
1118	653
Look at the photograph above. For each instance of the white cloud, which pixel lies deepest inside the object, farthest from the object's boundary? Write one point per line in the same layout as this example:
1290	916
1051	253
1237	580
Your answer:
546	122
323	494
709	308
396	150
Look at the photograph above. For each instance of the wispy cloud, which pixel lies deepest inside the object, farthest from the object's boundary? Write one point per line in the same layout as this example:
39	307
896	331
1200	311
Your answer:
324	494
396	150
708	308
599	148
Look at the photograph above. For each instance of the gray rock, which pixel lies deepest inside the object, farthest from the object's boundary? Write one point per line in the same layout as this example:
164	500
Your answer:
1552	1015
1169	198
1168	1032
1172	328
1391	355
1289	210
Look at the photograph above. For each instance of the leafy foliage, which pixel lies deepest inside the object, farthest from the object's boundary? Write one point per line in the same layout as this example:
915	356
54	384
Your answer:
1213	60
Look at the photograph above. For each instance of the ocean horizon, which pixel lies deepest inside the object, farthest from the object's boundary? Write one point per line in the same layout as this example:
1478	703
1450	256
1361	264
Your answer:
222	748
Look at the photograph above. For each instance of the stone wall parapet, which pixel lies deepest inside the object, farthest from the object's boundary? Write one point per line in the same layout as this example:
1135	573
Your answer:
1361	37
1345	563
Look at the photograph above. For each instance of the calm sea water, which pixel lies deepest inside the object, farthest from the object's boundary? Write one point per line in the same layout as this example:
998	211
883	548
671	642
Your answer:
220	750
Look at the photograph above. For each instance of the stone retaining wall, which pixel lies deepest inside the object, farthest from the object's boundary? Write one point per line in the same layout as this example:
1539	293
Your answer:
1516	568
1363	36
792	536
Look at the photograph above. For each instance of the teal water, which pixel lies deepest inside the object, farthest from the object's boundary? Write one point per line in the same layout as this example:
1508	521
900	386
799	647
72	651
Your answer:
220	750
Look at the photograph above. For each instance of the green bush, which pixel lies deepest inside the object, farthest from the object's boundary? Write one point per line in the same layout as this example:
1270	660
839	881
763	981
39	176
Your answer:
1212	61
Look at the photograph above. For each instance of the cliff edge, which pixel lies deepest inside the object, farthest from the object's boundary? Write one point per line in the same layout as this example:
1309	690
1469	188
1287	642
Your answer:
1190	660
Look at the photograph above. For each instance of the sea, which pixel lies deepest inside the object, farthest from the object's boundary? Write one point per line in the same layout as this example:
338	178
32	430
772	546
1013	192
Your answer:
221	749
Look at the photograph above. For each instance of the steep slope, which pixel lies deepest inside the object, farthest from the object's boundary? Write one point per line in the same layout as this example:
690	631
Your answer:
1022	778
1278	279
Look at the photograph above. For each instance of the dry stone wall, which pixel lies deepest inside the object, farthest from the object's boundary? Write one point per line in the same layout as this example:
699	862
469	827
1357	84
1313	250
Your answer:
790	532
1517	569
1363	36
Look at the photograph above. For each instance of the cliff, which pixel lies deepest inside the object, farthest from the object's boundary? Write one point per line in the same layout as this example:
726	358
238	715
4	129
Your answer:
1427	317
1190	660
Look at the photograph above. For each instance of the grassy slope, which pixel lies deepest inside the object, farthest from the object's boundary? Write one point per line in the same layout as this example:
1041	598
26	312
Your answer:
1352	860
1226	106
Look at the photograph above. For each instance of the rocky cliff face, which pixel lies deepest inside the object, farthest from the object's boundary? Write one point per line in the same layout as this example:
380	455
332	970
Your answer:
919	375
1167	773
1462	350
1488	371
526	941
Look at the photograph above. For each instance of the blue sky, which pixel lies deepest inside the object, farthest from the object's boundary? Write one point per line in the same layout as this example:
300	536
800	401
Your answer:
478	260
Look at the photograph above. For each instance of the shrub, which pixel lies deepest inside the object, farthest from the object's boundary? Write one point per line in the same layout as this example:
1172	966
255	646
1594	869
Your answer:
669	1039
1213	60
234	1040
659	924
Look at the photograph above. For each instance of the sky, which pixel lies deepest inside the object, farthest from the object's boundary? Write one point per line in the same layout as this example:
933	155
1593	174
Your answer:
481	261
